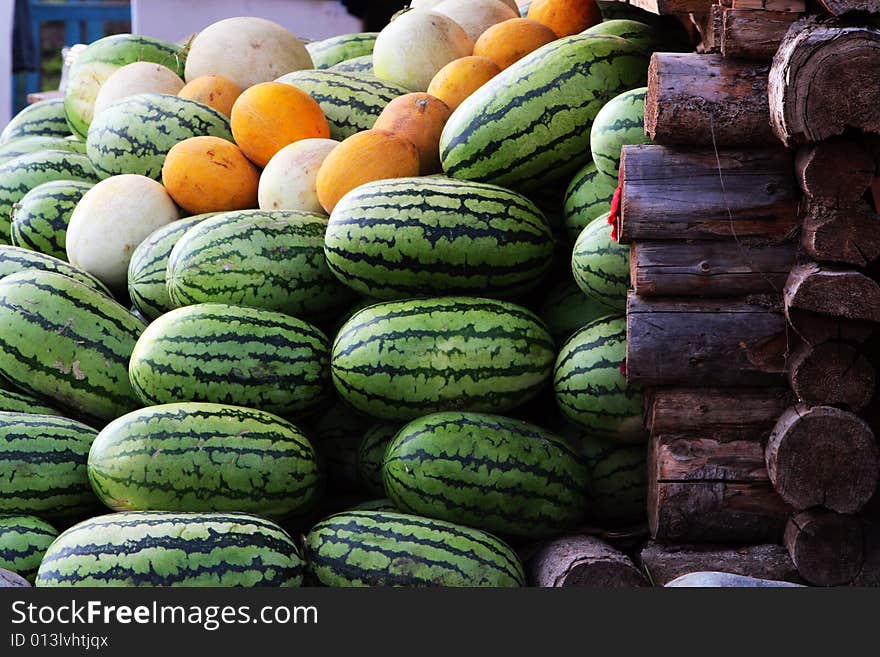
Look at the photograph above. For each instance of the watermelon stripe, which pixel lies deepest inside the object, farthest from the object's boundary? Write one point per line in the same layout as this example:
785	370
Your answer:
45	118
23	542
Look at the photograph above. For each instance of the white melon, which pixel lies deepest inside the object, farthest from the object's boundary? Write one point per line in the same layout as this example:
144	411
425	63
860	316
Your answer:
137	78
426	5
288	182
476	16
111	220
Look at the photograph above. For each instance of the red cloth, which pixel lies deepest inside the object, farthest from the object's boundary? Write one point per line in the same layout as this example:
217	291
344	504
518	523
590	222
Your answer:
614	215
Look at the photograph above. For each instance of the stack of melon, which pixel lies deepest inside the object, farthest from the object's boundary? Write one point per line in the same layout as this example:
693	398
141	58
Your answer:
252	282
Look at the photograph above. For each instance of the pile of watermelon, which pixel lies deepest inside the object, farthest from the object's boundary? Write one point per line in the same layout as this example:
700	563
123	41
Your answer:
243	345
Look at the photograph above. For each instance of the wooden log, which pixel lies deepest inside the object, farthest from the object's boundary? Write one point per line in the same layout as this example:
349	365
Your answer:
676	194
813	328
709	28
841	7
838	170
869	575
704	99
583	561
704	342
849	235
824	81
724	413
663	7
823	456
664	563
754	34
797	6
832	373
833	291
709	269
826	547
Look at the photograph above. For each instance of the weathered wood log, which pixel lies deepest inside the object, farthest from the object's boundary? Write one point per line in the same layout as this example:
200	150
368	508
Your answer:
754	34
824	81
704	99
673	6
826	547
706	490
837	170
841	7
797	6
677	194
583	561
710	269
664	563
849	235
823	456
869	575
723	413
832	373
813	328
705	342
833	291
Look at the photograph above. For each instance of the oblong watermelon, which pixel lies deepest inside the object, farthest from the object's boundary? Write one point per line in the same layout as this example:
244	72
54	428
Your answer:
566	309
621	122
334	50
43	119
371	453
34	143
15	259
40	219
23	542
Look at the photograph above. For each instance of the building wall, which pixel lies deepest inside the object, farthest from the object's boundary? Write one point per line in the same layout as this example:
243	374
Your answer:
6	11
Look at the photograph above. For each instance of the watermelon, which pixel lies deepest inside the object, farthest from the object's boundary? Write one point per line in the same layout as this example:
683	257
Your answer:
14	259
17	402
24	145
43	119
146	269
172	549
9	579
23	541
351	102
43	466
231	355
21	175
601	266
618	474
362	66
269	260
40	219
204	457
371	454
645	36
102	59
377	548
336	435
530	125
337	49
135	134
381	504
566	309
400	360
65	342
619	123
588	196
393	239
486	471
590	384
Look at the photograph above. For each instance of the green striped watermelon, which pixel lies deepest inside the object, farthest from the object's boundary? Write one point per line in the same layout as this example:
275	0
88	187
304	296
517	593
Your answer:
381	504
589	195
601	266
43	465
149	261
362	66
204	457
337	49
14	259
400	360
23	542
134	135
590	383
336	434
486	471
17	402
645	36
376	548
21	175
408	237
619	123
271	260
24	145
64	341
618	490
350	101
371	454
172	549
8	579
232	355
566	309
104	57
530	125
40	219
44	119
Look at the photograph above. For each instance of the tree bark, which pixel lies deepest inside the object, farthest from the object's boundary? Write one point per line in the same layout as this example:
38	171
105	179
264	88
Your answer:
583	561
826	547
710	269
848	235
706	99
771	5
705	342
834	291
838	170
841	7
832	373
823	456
664	563
678	194
751	34
824	81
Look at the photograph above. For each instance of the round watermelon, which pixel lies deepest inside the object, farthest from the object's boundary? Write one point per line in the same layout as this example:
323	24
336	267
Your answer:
601	266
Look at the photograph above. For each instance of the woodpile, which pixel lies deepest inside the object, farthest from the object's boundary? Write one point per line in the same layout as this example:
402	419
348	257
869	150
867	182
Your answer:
754	234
